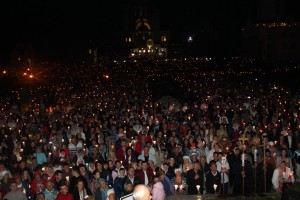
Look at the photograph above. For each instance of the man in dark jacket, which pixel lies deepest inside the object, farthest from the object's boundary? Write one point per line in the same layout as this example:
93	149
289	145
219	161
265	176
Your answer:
195	177
213	179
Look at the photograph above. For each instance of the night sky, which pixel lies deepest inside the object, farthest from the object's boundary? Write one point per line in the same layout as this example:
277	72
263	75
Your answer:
59	28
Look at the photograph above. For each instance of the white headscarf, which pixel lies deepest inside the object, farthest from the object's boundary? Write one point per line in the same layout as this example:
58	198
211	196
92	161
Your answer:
109	192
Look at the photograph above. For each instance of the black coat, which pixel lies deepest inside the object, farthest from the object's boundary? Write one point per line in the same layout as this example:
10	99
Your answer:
192	182
76	195
211	180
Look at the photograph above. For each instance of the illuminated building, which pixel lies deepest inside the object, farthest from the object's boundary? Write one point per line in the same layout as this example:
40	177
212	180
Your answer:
144	37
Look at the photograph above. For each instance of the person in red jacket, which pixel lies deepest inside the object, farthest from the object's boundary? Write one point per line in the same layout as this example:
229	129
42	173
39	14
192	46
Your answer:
121	152
141	143
38	184
64	193
145	174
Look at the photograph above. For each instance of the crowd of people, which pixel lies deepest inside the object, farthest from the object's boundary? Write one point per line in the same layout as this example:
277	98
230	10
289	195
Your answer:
90	132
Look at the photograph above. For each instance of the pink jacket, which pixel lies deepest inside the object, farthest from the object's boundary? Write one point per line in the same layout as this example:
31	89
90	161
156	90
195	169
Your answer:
158	192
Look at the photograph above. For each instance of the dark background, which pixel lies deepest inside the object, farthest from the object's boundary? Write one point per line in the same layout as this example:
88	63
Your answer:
56	29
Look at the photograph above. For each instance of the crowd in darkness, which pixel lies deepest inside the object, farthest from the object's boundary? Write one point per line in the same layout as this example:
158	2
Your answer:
96	132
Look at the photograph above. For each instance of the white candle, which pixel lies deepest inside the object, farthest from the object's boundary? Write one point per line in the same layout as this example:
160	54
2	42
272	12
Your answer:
215	187
180	187
176	186
243	159
255	155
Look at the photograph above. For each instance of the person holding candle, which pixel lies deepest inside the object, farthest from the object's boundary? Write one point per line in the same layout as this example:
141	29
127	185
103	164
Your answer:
213	179
282	177
187	164
195	176
180	180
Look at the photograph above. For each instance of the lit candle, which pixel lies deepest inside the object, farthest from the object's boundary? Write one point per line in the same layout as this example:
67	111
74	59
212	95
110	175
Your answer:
62	140
215	187
291	174
275	142
154	142
198	187
67	178
255	155
180	187
243	159
176	186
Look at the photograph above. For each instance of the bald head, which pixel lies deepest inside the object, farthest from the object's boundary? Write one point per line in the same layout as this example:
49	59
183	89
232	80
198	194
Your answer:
141	192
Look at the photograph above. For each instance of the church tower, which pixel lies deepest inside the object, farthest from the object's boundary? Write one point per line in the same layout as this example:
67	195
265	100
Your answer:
144	37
